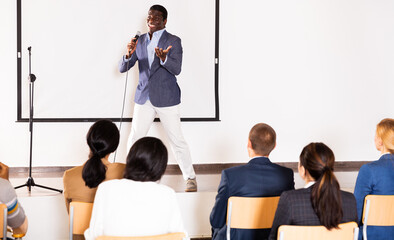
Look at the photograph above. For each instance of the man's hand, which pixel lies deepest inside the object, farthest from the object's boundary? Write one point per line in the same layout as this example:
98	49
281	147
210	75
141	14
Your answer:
162	54
131	46
3	171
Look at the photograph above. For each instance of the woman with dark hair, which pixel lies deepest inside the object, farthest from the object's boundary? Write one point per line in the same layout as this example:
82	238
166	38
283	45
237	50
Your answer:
377	177
80	183
320	202
137	205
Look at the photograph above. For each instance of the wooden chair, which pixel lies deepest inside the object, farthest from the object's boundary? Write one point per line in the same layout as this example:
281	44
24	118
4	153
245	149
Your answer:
80	213
378	211
346	231
250	212
3	221
168	236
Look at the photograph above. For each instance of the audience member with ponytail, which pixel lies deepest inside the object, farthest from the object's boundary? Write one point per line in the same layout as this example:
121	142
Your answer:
137	205
320	202
377	177
80	183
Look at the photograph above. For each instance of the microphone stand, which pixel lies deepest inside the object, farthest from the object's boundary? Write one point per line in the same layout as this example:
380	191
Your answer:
30	181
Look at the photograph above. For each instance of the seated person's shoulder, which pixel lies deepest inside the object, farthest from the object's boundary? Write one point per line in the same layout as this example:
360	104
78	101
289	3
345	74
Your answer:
109	183
4	171
296	194
283	168
347	196
234	169
74	170
166	188
383	162
115	171
118	165
73	173
5	186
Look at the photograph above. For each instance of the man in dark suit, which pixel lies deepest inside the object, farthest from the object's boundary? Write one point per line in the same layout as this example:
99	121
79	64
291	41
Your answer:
159	56
258	178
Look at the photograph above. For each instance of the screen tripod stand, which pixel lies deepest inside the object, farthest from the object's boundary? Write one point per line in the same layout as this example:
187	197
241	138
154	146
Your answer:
30	181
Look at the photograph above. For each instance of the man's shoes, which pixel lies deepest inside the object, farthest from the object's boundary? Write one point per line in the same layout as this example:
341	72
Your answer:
191	185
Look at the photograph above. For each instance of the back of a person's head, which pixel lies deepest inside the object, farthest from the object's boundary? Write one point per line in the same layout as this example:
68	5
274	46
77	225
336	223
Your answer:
385	131
147	160
103	139
318	159
262	138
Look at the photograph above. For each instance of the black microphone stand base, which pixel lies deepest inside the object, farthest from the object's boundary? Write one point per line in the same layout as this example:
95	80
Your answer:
30	183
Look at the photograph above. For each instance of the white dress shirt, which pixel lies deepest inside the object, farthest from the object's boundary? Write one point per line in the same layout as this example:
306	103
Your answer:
152	44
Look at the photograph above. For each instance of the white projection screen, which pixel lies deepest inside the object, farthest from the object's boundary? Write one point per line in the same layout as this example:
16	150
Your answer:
76	47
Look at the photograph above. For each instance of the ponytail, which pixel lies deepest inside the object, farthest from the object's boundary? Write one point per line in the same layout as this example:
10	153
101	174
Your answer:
326	200
93	172
103	139
318	160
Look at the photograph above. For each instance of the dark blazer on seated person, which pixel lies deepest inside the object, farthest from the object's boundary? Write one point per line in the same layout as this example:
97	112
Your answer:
258	178
295	208
375	178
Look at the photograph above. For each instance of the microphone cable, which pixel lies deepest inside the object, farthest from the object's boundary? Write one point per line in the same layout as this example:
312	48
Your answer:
123	104
137	35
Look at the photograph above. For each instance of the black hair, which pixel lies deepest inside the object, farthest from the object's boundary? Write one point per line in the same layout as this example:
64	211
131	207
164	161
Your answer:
102	139
318	159
161	9
147	160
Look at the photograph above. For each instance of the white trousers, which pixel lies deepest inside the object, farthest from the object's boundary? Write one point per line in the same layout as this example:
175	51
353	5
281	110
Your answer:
170	119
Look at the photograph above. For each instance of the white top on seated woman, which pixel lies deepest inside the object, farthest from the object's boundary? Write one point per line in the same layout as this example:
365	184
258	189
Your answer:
137	205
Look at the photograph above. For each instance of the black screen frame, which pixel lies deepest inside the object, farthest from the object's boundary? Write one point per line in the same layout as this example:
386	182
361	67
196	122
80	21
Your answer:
188	119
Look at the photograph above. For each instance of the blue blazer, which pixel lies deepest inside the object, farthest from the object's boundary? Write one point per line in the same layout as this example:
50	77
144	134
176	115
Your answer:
258	178
375	178
158	83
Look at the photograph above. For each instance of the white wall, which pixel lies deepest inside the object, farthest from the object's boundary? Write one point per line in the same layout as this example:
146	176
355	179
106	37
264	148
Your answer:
314	70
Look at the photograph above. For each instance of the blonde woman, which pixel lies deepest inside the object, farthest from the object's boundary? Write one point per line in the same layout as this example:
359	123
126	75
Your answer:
378	177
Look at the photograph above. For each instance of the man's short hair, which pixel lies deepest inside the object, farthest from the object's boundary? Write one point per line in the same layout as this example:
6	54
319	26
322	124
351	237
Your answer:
263	139
161	9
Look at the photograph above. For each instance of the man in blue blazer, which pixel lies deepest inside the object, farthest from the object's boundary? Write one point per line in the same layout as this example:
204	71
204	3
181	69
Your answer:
159	56
258	178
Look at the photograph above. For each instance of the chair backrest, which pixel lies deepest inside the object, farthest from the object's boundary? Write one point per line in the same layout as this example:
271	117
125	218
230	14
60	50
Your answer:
250	212
378	211
3	221
80	213
168	236
291	232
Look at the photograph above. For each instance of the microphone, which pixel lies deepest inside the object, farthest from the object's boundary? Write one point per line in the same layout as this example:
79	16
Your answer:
137	35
